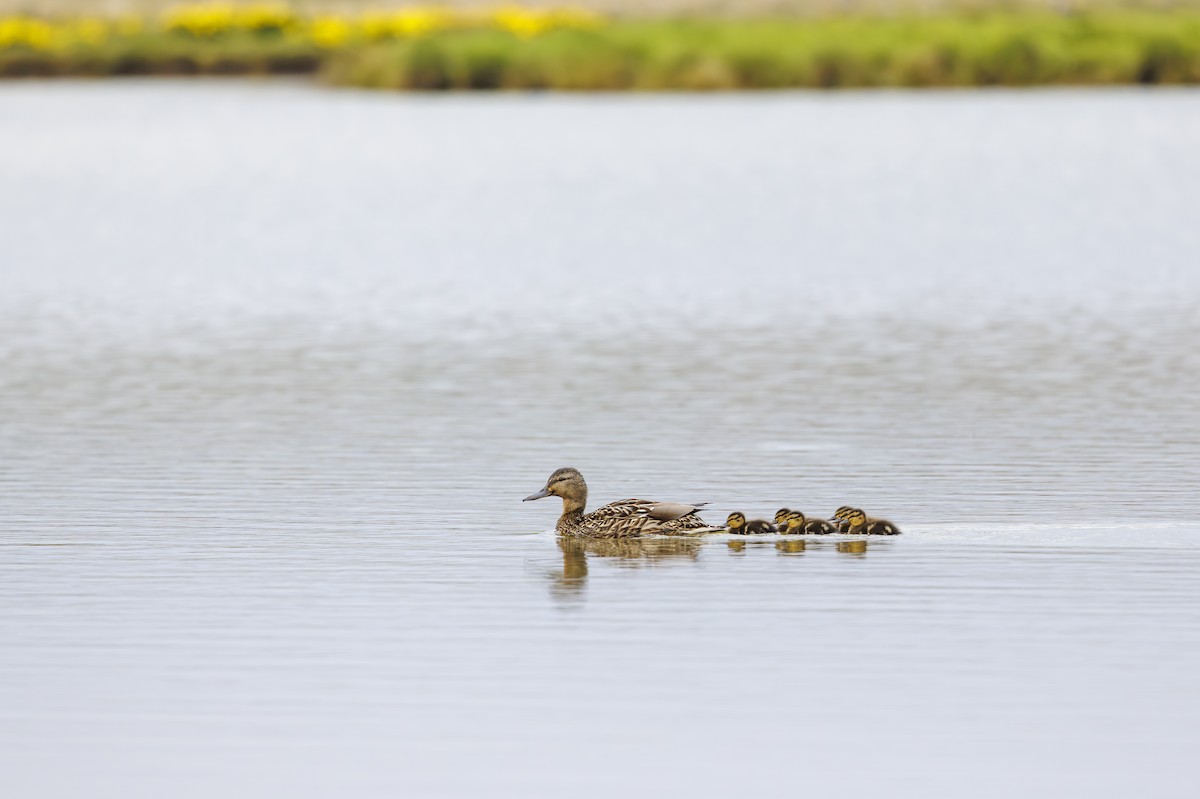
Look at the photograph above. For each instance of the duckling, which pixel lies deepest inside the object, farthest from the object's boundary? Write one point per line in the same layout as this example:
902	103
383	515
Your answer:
798	523
737	524
816	526
759	527
628	518
838	519
862	524
789	522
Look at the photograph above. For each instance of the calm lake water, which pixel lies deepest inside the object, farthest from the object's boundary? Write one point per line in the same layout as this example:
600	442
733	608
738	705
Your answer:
277	365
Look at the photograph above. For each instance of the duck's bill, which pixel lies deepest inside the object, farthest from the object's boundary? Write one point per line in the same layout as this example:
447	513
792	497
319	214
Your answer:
545	492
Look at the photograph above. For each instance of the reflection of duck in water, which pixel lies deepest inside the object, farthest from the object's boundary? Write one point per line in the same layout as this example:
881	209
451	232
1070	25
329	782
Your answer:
643	550
737	524
858	523
628	518
629	552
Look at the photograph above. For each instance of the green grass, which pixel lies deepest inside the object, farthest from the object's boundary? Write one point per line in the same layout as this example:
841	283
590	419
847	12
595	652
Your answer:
994	48
150	54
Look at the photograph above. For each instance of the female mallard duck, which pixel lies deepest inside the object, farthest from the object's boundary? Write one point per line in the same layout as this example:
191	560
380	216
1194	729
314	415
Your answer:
628	518
796	523
859	523
737	524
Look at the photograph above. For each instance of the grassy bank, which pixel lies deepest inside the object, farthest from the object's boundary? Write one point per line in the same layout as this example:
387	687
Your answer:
514	48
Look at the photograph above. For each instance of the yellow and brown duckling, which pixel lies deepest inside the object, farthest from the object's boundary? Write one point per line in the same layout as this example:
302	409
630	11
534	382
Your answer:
628	518
796	523
859	523
838	519
737	524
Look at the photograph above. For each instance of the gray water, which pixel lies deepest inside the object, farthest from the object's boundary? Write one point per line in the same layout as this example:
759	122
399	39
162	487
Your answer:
277	365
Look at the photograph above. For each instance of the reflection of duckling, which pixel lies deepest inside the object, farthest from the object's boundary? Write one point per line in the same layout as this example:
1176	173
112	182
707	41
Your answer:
796	523
862	524
852	547
737	524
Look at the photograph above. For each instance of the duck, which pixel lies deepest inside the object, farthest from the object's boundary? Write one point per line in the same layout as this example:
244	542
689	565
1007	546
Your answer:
859	523
737	524
796	523
628	518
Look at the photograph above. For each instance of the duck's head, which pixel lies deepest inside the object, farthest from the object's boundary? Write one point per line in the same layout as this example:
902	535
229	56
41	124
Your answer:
854	517
736	522
793	522
566	483
781	516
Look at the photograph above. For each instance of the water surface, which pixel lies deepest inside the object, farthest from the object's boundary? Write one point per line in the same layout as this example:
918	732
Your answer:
277	365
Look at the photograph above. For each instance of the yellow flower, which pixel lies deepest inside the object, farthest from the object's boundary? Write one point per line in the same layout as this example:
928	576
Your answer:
203	20
418	21
529	22
329	31
26	32
577	18
522	22
262	17
408	22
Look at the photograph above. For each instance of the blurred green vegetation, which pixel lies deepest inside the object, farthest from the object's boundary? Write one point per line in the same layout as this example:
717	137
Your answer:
432	49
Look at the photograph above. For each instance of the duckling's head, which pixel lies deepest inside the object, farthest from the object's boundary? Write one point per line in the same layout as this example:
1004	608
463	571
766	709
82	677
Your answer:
568	484
781	515
736	521
841	512
854	517
794	522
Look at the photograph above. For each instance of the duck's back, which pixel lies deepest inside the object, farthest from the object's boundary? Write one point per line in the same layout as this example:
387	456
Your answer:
631	518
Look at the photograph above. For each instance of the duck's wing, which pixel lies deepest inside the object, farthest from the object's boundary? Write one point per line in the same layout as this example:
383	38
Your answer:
636	517
669	511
